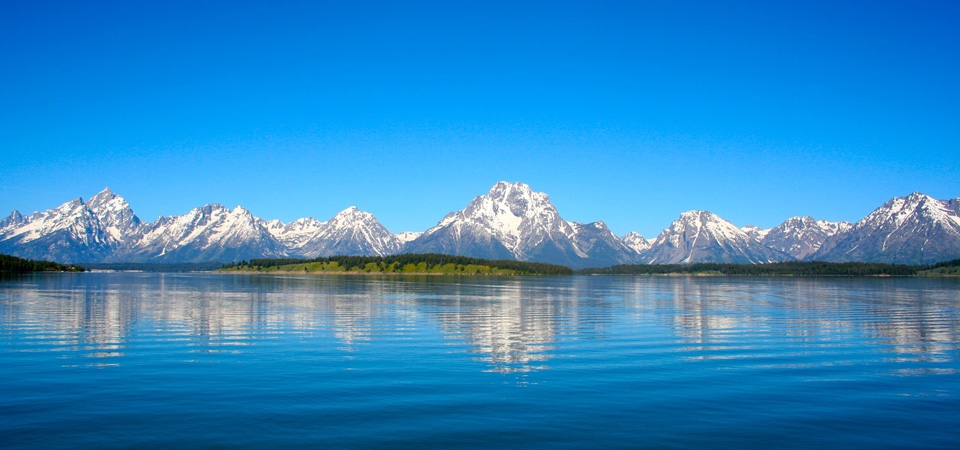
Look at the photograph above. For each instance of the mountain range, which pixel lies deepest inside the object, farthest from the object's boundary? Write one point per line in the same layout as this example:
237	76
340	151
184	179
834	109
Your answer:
511	221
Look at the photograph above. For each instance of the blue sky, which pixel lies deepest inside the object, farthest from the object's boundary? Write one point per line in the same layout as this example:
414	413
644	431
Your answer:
627	112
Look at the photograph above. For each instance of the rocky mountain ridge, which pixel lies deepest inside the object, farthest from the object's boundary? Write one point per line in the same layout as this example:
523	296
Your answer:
511	221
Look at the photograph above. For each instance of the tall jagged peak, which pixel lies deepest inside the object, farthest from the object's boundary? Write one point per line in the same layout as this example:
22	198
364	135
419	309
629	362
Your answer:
13	220
105	195
107	202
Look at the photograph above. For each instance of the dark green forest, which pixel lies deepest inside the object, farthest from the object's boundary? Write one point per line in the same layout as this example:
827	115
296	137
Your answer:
157	267
404	263
13	264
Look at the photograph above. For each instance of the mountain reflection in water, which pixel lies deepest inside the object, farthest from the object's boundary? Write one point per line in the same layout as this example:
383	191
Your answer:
511	324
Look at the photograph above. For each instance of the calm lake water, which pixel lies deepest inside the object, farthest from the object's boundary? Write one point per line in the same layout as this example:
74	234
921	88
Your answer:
210	360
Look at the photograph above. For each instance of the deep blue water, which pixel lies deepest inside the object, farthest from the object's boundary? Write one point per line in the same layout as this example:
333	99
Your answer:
208	360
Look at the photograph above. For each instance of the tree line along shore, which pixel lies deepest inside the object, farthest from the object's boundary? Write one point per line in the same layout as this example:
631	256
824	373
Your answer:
439	264
13	264
430	264
461	265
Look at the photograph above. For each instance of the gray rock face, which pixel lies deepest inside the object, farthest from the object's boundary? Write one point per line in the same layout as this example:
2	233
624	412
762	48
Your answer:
513	222
701	236
801	237
917	229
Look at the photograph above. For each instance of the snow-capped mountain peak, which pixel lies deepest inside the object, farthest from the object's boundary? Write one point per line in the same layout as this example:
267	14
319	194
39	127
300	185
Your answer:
636	241
702	236
350	232
801	237
116	217
512	212
915	229
15	219
512	221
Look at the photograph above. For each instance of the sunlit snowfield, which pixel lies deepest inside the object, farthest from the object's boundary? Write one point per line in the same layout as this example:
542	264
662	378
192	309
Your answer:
186	360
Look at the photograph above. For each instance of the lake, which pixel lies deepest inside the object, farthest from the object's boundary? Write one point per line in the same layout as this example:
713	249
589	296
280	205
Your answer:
214	360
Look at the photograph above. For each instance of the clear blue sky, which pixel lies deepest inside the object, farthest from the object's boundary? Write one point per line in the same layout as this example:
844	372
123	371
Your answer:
627	112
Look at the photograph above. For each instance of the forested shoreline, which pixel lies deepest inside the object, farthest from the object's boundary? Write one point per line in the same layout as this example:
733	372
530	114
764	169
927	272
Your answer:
430	263
435	263
13	264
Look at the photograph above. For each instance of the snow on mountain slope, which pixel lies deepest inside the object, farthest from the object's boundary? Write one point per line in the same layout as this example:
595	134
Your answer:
350	232
701	236
916	229
636	242
11	222
294	235
70	233
116	218
755	232
801	237
510	222
208	233
407	236
513	222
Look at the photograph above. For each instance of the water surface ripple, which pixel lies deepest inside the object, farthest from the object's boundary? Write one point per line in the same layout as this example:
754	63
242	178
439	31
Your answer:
210	360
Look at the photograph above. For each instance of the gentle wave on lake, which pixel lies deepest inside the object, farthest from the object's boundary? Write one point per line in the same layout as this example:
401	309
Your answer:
201	360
